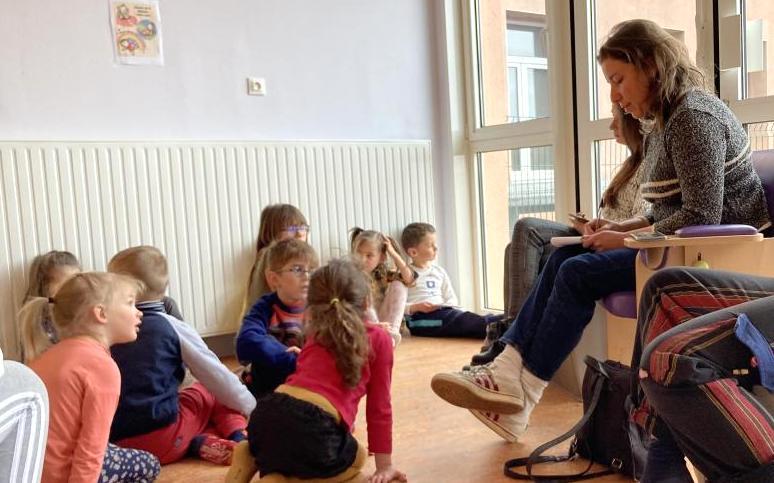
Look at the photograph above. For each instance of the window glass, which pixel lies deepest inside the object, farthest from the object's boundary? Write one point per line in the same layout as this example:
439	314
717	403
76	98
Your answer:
758	57
513	61
513	184
761	135
678	18
609	156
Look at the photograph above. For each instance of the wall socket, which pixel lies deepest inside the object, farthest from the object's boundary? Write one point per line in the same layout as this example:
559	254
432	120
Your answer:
256	86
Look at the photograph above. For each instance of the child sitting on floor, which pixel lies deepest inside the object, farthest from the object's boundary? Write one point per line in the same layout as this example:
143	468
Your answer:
390	276
303	429
91	312
432	303
271	335
205	419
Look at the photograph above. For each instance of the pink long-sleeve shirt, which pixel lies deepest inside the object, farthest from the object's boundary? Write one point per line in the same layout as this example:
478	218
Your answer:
83	386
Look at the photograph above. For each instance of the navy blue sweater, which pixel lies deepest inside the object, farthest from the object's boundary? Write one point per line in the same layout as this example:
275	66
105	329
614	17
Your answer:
151	371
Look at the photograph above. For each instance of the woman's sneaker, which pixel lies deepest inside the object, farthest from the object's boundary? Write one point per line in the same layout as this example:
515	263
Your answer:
483	388
507	426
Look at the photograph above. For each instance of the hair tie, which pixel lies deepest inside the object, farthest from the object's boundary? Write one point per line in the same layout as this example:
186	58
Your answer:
334	301
51	300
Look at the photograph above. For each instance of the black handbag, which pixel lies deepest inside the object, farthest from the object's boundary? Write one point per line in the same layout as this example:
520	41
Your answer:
604	434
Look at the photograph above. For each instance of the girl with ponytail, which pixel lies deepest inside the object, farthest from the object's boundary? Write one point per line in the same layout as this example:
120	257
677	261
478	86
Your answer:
47	273
303	429
91	312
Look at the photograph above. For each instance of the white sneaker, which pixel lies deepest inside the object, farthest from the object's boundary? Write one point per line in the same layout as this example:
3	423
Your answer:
483	388
507	426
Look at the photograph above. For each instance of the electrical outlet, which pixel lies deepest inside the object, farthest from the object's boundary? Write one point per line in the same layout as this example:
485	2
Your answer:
256	86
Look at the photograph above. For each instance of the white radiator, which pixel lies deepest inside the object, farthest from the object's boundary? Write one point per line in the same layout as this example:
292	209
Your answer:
199	203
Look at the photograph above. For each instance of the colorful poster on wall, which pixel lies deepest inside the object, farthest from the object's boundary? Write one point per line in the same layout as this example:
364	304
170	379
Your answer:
136	30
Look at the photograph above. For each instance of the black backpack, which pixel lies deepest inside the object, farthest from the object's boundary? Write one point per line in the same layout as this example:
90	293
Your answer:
604	434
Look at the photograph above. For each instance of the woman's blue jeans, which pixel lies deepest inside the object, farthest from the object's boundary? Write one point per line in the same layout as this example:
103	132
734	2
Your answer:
561	304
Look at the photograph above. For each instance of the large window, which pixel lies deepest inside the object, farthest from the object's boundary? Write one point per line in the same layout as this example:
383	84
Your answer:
511	52
536	153
678	18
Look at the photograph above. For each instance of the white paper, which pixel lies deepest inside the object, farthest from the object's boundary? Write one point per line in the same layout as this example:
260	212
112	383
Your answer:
563	241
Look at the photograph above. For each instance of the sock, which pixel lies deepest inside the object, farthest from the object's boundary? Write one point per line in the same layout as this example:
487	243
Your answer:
196	444
238	435
533	390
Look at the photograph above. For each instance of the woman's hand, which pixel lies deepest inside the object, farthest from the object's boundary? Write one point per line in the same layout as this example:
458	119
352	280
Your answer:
578	226
598	224
604	240
386	475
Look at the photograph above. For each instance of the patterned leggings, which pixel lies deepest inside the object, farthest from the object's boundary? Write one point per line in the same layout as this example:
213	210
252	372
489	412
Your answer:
700	375
126	465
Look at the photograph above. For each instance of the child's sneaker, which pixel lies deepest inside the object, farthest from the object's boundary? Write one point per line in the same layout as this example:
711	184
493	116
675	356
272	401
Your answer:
507	426
486	388
216	450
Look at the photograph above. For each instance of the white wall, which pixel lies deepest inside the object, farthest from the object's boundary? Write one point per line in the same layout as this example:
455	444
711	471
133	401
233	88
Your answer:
335	69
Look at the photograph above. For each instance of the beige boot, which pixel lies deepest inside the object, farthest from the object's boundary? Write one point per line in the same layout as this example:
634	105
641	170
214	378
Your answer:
495	387
511	427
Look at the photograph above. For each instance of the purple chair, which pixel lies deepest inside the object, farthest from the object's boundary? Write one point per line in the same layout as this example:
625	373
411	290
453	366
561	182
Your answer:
623	304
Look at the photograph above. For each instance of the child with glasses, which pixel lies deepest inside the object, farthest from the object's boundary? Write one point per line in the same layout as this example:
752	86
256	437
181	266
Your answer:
271	335
278	222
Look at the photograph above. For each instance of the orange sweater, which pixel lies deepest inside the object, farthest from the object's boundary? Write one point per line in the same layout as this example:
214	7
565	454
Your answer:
83	386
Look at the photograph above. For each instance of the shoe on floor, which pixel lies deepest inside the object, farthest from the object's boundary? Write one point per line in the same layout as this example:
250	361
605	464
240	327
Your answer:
216	450
507	426
481	388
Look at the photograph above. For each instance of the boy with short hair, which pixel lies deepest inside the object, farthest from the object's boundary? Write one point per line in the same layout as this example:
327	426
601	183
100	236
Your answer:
271	335
432	303
205	419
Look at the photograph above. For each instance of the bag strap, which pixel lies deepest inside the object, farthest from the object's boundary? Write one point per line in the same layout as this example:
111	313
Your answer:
536	458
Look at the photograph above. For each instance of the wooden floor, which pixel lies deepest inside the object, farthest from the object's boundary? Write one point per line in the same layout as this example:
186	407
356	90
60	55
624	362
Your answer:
432	440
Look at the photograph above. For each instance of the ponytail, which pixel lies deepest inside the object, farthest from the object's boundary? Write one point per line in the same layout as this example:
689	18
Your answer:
339	328
69	311
35	339
338	296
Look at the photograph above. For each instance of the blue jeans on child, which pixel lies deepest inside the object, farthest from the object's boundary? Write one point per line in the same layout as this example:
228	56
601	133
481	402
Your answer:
450	322
561	304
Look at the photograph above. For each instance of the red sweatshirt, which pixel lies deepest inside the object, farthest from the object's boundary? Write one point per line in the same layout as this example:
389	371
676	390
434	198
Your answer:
316	371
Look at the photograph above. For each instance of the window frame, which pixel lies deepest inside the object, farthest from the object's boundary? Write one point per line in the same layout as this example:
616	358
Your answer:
555	130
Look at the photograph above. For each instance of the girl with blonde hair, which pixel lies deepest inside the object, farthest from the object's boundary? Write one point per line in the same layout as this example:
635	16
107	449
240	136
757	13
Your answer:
47	273
385	263
91	312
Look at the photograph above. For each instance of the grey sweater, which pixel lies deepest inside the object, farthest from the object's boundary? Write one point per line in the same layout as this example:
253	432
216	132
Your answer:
700	169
